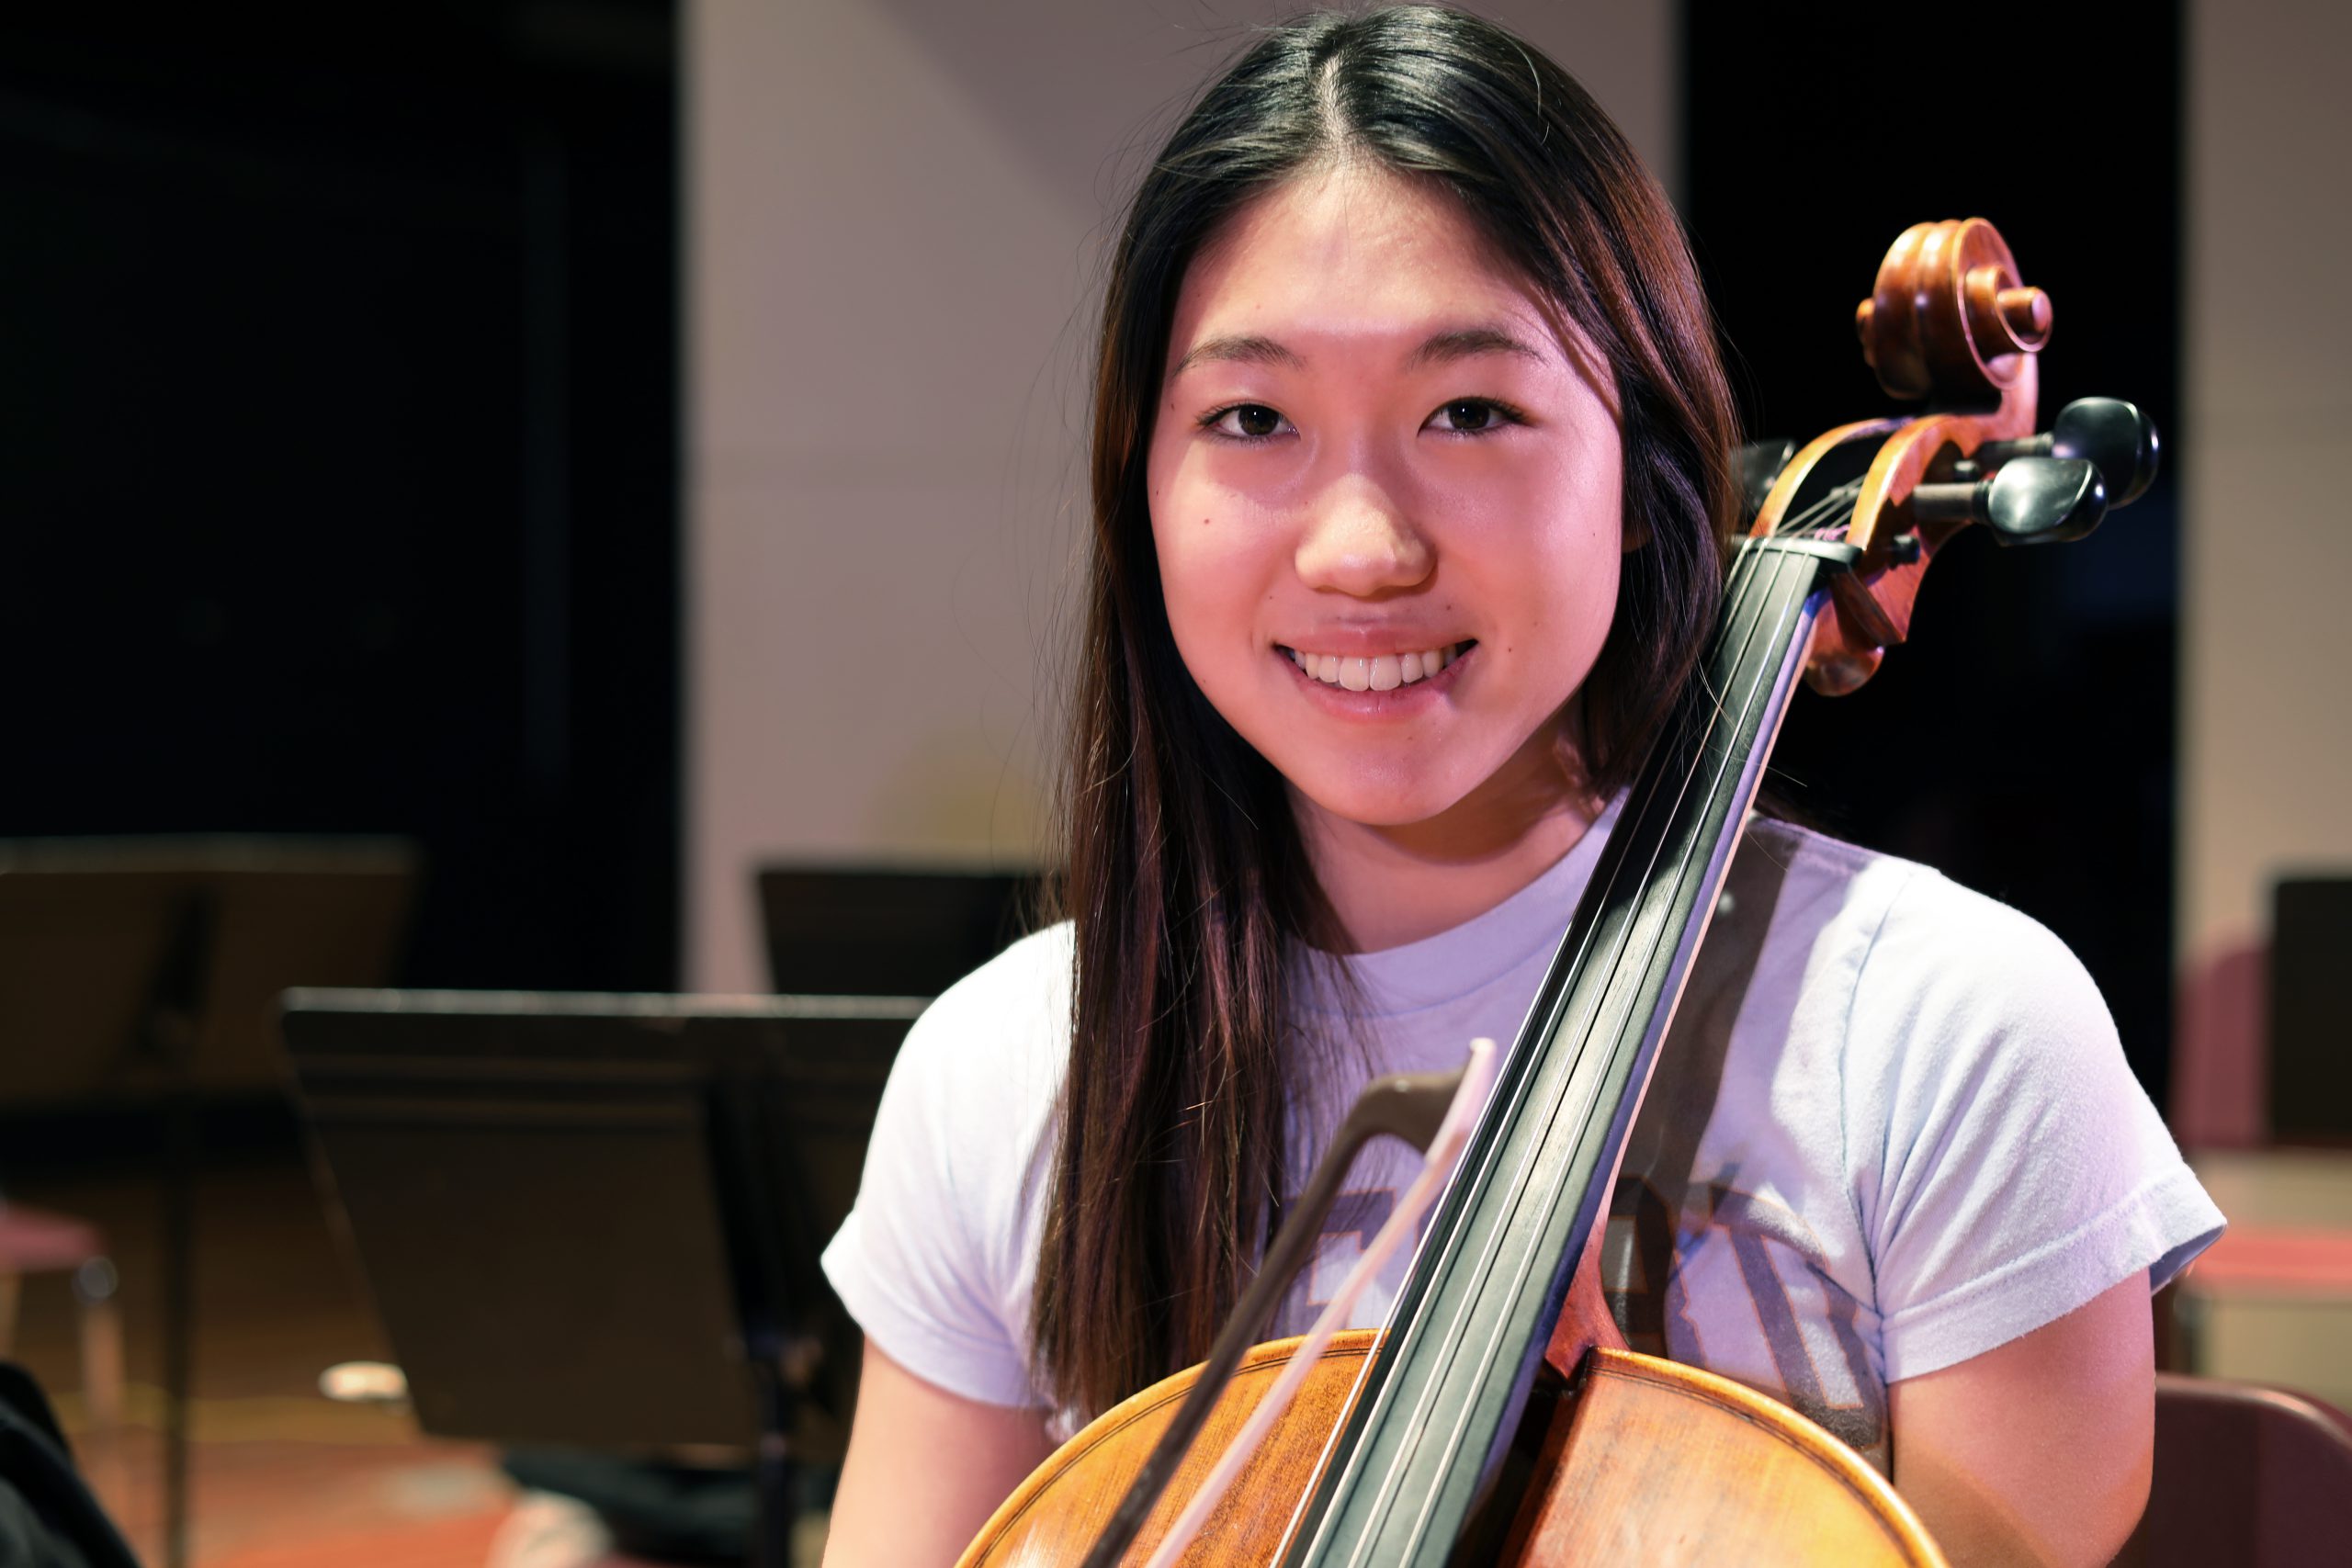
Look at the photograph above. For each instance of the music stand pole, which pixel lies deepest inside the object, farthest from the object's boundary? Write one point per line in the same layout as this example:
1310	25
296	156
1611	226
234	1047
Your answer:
772	1465
181	1162
172	1021
746	1187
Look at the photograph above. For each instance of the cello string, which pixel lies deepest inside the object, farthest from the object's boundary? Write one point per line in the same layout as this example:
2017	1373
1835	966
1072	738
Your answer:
1819	513
1585	1112
1455	1342
1744	567
1763	682
1747	567
1743	572
1551	1199
1437	1161
1450	1241
1767	681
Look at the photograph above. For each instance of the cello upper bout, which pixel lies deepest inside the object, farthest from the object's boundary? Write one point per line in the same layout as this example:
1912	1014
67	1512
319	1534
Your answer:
1052	1520
1664	1464
1653	1463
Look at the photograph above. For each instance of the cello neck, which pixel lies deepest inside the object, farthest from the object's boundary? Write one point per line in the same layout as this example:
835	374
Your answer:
1445	1394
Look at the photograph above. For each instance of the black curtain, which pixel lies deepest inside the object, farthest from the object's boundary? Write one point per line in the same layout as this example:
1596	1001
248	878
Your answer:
2024	741
338	451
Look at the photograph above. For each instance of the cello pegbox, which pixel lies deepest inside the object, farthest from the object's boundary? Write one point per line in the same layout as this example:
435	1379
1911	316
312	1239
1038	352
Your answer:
1948	321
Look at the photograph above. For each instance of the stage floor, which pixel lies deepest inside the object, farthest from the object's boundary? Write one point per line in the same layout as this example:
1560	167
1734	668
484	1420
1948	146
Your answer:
279	1476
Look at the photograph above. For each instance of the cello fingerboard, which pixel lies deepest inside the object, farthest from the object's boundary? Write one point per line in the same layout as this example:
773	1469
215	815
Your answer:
1446	1395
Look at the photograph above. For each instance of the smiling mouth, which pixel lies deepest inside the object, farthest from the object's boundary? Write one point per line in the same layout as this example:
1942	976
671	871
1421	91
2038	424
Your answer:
1381	673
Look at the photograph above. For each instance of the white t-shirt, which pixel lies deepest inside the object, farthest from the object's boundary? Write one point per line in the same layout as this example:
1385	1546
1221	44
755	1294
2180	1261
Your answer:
1891	1128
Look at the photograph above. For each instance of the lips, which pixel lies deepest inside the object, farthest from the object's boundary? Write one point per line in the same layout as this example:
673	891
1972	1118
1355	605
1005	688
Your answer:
1375	672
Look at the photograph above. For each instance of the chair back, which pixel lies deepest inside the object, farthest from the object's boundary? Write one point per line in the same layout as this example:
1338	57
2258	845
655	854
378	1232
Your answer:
2244	1475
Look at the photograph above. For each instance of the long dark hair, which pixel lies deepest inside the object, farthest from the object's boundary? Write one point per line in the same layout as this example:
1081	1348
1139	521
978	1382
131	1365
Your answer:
1186	877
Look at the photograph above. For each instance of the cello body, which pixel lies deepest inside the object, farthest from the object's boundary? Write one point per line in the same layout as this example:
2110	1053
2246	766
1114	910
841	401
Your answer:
1646	1462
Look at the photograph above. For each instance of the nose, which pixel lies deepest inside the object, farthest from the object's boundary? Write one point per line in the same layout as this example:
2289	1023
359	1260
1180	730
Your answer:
1360	542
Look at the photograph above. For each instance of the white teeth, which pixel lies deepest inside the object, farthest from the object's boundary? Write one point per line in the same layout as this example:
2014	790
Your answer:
1383	672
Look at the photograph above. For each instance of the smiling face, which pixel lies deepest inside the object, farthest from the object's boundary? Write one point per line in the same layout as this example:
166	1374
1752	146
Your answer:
1386	501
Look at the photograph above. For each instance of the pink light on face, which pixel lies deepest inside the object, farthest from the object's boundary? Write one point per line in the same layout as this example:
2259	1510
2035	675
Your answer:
1372	445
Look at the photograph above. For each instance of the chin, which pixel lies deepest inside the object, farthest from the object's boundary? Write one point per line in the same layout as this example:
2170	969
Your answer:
1398	805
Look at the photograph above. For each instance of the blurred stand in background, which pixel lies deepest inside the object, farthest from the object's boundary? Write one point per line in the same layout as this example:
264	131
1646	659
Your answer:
139	981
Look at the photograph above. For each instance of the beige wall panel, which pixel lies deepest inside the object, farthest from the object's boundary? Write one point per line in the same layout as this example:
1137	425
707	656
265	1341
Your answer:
2267	559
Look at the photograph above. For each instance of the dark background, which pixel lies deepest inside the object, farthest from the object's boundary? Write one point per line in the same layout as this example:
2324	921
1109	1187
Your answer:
339	465
338	361
2023	740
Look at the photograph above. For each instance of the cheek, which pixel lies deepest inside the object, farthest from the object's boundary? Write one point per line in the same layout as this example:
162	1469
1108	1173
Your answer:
1547	556
1591	597
1209	576
1581	594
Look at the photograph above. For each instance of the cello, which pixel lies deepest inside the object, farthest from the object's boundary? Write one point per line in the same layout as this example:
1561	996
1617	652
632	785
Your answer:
1478	1425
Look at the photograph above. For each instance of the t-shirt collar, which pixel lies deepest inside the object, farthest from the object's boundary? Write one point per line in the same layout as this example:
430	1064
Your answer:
1481	950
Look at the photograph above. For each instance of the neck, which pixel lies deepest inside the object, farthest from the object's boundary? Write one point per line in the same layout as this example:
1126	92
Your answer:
1393	885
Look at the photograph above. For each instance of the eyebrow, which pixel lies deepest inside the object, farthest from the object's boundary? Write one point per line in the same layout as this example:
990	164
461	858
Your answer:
1241	350
1442	348
1468	343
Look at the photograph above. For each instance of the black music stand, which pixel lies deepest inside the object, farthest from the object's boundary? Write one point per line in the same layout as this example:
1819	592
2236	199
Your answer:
595	1221
887	932
140	974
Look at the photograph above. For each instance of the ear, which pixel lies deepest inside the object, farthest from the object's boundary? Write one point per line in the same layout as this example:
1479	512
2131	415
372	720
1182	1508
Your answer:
1636	534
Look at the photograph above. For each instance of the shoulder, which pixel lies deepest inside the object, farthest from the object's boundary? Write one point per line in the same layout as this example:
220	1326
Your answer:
2004	1164
999	1034
936	1259
1902	936
1033	973
1931	1004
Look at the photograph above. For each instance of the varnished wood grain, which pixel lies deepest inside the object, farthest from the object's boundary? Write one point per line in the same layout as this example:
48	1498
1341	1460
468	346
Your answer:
1657	1465
1849	640
1948	321
1669	1466
1054	1517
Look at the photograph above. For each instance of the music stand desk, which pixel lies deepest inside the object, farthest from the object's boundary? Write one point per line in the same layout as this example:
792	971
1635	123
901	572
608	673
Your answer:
857	929
139	973
595	1221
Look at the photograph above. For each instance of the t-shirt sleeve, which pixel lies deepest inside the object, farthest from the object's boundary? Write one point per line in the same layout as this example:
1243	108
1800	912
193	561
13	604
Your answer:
930	1260
2022	1170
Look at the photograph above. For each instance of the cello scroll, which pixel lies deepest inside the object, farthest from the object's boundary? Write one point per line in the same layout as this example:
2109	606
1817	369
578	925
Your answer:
1949	319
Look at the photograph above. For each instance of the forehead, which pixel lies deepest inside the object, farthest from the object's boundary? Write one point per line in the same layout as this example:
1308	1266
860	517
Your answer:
1350	251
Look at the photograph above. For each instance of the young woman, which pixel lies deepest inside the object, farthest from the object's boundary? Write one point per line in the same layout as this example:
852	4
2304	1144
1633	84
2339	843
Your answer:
1410	494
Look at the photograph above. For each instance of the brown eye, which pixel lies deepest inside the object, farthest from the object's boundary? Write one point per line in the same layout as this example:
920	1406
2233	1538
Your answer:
1256	419
1469	415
